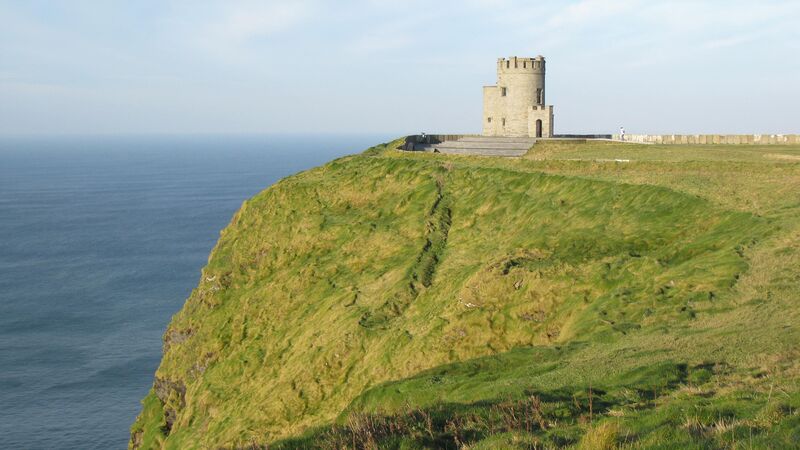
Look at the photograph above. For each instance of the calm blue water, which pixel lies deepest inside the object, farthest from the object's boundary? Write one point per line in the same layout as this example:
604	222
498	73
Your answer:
101	240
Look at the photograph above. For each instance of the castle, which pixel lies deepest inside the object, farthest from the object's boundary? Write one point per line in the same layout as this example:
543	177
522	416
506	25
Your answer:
516	105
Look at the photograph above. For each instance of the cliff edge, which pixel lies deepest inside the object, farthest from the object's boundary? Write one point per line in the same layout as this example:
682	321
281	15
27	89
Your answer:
404	300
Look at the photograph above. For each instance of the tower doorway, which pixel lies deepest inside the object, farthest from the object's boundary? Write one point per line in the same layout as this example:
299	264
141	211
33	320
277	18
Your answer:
538	128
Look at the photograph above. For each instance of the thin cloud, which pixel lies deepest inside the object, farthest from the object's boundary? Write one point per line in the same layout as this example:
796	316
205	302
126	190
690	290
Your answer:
225	31
589	11
394	35
252	20
732	41
379	42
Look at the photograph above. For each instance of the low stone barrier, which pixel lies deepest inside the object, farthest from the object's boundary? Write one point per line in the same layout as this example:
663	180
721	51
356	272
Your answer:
416	140
581	136
739	139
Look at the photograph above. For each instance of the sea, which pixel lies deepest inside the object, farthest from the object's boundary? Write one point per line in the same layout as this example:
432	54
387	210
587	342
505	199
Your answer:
102	238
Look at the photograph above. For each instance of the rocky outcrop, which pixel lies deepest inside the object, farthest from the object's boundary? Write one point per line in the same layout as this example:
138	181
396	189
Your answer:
172	395
175	337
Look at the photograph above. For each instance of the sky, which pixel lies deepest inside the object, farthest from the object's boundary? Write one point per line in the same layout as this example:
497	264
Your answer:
393	66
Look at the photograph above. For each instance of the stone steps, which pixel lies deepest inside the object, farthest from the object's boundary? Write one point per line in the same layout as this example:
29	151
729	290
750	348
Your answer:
478	151
494	139
496	145
482	145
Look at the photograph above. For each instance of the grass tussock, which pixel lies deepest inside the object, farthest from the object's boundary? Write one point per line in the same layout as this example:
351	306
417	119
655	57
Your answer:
601	437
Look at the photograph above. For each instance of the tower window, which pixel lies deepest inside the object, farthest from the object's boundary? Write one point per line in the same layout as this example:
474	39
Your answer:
539	96
503	121
489	119
503	91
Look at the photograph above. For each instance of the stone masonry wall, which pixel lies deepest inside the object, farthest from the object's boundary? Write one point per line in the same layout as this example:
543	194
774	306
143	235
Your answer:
746	139
543	113
492	111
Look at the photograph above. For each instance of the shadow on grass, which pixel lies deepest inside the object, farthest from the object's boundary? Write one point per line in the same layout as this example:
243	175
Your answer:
552	418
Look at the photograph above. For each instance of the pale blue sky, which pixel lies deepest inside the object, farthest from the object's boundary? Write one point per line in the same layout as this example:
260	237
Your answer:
392	66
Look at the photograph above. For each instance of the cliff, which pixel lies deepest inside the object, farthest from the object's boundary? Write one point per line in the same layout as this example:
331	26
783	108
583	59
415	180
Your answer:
401	300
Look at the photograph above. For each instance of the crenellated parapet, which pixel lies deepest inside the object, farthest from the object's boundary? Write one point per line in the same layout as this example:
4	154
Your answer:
521	65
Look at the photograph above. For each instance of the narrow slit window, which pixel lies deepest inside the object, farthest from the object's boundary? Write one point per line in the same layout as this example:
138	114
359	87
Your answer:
503	91
489	119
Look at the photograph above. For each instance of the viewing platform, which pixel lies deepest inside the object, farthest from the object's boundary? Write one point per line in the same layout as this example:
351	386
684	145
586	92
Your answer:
471	145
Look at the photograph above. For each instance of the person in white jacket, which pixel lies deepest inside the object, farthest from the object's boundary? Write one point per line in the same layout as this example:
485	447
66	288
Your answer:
621	133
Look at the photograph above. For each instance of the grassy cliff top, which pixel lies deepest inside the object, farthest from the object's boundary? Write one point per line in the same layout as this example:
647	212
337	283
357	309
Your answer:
589	294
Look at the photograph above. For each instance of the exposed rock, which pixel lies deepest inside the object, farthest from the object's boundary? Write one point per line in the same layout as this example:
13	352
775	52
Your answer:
174	337
172	395
136	439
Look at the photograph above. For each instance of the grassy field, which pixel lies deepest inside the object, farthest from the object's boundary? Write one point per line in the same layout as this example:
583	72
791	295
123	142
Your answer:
589	295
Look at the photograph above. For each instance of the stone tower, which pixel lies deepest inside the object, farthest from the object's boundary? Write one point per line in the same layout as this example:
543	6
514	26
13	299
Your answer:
516	105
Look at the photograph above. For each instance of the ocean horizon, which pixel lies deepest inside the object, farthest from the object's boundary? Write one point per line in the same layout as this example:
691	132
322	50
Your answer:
102	238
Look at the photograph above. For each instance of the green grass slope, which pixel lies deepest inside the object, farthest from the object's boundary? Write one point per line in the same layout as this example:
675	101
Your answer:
396	300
